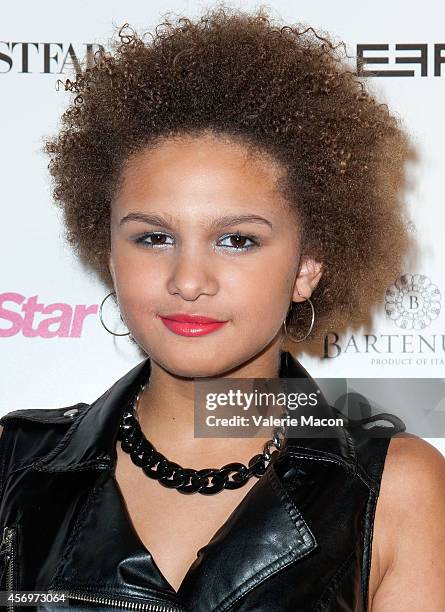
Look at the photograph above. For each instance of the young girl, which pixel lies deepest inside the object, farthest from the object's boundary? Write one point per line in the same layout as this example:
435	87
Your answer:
236	188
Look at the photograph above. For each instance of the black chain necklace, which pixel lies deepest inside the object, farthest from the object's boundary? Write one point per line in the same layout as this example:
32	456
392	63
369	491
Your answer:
186	480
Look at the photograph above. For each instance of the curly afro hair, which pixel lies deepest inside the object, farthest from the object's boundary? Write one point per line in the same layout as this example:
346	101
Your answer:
285	90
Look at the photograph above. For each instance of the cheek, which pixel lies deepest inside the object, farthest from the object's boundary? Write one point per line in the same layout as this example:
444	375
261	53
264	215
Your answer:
258	294
139	287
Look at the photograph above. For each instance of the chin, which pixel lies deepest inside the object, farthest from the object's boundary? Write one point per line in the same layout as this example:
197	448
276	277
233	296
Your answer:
196	362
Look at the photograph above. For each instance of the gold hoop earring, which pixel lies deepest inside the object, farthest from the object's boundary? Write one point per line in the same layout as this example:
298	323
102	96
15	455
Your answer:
101	317
310	329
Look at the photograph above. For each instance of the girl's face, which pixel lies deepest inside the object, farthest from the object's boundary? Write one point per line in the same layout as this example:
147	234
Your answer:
199	228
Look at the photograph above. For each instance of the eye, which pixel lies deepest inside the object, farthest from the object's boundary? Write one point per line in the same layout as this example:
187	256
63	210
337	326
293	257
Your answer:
157	240
238	242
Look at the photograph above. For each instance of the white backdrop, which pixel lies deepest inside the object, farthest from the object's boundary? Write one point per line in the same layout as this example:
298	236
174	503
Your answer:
36	267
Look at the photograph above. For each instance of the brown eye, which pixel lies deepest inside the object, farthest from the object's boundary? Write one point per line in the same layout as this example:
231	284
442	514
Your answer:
153	239
158	239
237	242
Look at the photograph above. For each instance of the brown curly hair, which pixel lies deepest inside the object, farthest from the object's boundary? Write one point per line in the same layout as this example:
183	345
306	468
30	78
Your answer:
284	90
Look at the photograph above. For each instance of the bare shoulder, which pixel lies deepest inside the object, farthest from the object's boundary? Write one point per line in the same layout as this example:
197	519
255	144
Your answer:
413	468
409	522
1	430
413	478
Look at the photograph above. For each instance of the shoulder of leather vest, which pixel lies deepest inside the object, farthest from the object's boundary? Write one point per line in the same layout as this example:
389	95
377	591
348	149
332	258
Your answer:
50	416
31	433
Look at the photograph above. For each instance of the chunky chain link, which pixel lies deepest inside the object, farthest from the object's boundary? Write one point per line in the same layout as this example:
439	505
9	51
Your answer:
186	480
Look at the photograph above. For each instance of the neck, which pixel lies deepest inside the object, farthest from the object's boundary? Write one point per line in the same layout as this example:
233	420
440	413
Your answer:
166	415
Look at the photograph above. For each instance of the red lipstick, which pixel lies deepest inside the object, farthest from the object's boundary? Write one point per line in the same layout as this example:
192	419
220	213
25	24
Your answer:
191	325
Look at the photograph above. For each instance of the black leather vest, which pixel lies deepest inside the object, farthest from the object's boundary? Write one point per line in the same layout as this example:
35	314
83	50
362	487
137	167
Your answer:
299	541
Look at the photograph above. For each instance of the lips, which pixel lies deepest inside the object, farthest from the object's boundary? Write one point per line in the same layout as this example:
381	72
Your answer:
189	318
191	325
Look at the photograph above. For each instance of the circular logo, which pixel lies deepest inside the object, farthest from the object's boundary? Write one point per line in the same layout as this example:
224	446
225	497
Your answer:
413	301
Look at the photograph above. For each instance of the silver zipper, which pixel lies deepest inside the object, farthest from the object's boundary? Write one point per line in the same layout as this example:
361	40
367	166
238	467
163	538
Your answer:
126	605
7	544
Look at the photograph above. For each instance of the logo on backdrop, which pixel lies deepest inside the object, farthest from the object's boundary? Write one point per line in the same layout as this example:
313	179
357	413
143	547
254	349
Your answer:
45	57
420	59
412	303
33	319
393	55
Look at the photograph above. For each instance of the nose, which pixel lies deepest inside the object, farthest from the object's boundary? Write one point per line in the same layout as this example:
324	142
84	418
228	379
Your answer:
193	273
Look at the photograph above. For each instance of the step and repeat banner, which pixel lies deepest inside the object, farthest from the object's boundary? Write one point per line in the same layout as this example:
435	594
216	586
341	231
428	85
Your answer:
53	348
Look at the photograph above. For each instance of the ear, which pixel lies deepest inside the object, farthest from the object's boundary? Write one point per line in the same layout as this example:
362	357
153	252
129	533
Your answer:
308	278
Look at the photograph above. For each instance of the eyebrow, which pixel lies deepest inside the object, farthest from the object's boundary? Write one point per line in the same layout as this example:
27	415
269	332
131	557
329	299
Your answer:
215	223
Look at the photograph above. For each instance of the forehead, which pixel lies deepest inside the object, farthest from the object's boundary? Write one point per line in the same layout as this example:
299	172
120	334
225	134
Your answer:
201	168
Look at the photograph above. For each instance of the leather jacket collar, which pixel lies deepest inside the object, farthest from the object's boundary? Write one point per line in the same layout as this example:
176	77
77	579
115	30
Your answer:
91	441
